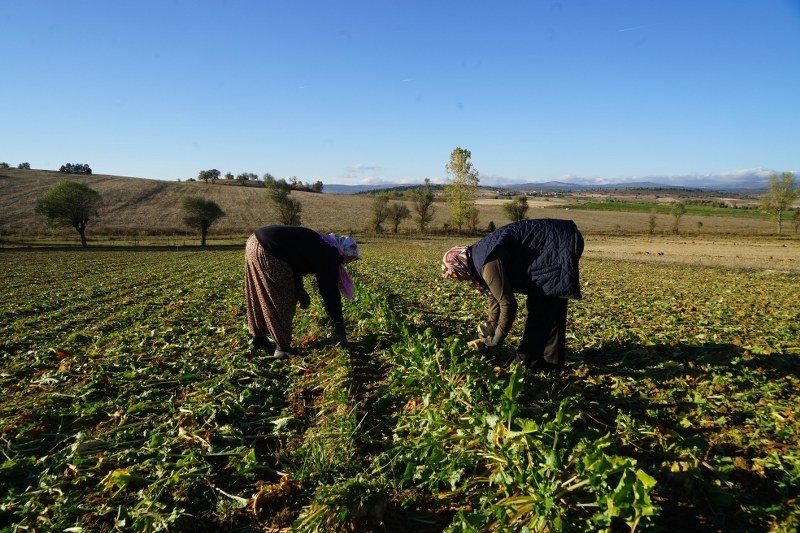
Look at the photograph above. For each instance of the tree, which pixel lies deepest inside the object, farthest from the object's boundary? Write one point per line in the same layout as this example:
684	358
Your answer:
460	190
396	214
75	168
781	194
516	209
205	175
24	166
422	199
200	213
3	164
678	210
228	176
651	223
288	208
380	211
317	186
69	203
246	176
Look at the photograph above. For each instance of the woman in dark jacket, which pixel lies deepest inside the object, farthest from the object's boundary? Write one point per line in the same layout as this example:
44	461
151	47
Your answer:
276	259
538	258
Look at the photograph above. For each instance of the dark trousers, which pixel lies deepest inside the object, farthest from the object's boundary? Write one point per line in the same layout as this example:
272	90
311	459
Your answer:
545	335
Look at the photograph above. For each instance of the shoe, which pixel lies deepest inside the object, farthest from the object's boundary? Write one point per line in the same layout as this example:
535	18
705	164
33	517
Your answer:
540	365
518	359
282	353
259	343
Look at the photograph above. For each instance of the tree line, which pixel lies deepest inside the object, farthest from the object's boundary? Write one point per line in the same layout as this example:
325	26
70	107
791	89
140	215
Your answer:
213	175
69	203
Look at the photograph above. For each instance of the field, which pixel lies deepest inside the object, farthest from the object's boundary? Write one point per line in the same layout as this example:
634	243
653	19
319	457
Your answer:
136	210
132	400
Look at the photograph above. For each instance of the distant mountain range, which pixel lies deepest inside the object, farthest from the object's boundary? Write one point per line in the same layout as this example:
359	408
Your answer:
736	180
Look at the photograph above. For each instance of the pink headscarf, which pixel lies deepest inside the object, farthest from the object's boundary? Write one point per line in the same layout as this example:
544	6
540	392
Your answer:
455	265
348	248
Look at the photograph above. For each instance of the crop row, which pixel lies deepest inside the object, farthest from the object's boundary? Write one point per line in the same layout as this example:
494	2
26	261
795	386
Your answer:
132	400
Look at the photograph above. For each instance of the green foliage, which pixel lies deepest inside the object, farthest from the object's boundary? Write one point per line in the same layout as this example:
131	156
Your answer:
200	213
516	209
133	401
278	192
380	211
677	211
780	195
69	203
24	166
396	213
422	203
461	188
75	168
206	175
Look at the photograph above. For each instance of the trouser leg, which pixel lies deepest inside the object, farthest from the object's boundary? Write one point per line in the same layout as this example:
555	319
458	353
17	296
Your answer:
545	333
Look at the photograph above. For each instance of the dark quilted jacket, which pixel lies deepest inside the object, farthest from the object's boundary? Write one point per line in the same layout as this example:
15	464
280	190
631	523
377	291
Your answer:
543	256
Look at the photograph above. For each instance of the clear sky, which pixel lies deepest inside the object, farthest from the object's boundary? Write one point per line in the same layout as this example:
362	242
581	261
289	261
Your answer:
356	92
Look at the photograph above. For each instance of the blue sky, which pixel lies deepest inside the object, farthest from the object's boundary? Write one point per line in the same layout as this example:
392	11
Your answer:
364	92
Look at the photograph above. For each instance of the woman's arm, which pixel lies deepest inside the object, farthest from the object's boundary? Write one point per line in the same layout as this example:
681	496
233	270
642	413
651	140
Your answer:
502	303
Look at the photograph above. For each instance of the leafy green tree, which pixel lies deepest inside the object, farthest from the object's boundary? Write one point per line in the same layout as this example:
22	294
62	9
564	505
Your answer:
246	176
651	223
288	208
516	209
69	203
76	168
396	214
461	188
781	194
206	175
200	213
380	211
228	176
422	203
3	164
24	166
677	211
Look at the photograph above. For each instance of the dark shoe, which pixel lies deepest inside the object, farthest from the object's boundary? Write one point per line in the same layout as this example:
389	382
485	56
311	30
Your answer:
282	353
540	365
518	359
259	343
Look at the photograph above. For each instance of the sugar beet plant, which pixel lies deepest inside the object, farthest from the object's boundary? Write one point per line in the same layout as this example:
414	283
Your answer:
132	401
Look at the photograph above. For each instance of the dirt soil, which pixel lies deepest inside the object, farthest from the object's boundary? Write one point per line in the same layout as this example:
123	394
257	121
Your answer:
762	253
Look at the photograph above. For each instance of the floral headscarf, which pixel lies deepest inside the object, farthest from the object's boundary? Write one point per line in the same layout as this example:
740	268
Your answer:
348	248
455	265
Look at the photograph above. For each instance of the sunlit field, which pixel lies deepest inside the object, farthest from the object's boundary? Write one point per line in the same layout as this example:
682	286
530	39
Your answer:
133	401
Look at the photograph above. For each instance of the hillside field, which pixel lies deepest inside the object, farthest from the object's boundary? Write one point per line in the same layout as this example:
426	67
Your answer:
132	401
135	207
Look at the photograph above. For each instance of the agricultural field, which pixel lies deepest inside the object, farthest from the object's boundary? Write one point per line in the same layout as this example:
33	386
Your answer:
133	401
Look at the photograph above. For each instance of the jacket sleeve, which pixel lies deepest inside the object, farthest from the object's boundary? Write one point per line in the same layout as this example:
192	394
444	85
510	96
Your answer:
502	302
328	284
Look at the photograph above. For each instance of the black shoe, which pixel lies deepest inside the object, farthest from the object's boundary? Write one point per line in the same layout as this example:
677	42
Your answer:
540	365
283	353
518	359
260	343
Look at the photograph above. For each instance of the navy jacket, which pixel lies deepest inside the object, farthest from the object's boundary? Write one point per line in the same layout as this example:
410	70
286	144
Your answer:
543	256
